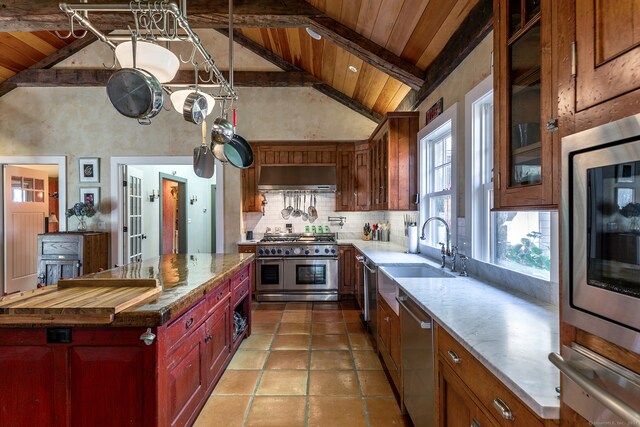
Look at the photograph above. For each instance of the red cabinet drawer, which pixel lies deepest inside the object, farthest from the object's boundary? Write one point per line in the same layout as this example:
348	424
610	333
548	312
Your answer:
240	277
187	322
240	291
217	295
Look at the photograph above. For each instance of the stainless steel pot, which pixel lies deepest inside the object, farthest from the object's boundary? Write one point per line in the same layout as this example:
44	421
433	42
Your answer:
135	93
222	130
195	108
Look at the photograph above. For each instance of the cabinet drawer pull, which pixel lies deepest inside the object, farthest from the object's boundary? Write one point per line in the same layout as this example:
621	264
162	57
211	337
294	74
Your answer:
207	338
503	409
219	295
188	323
454	357
475	423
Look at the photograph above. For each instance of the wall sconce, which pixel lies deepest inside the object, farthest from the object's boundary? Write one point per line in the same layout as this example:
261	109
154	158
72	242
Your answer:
193	199
153	196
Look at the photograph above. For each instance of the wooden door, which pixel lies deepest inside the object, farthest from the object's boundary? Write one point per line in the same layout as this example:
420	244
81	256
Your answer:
26	204
134	234
607	50
170	195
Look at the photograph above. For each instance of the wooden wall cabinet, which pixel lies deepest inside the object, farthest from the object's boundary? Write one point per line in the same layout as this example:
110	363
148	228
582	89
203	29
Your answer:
67	255
109	376
346	269
393	157
389	341
525	171
361	171
251	199
345	178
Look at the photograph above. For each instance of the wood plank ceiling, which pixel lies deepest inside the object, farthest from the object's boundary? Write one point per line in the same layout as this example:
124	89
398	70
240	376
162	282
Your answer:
21	50
408	35
414	30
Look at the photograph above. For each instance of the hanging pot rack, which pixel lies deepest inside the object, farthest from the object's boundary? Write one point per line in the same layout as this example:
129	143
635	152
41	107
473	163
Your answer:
158	21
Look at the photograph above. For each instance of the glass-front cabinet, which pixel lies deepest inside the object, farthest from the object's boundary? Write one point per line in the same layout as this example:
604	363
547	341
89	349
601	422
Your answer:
523	154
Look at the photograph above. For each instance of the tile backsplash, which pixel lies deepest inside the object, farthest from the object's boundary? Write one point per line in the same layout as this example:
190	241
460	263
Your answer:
353	223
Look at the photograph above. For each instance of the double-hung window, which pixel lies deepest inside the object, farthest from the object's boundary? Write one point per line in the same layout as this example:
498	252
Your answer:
436	160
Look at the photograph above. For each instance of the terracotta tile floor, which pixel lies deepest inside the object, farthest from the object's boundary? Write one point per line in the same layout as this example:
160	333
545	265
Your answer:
305	364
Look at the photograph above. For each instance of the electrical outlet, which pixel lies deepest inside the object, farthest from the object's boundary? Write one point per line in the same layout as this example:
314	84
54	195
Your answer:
102	225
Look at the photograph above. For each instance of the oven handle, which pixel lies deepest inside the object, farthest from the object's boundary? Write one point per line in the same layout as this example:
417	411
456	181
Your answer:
611	402
270	259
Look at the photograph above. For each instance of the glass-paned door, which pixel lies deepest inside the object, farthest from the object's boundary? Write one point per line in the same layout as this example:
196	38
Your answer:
134	235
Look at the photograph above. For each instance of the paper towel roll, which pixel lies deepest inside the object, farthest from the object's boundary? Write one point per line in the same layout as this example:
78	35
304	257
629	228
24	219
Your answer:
412	239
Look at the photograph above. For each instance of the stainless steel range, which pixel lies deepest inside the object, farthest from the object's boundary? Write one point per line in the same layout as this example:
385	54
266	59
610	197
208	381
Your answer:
297	267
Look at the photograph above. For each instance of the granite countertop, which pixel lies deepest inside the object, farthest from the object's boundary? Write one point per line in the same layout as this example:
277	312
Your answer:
510	334
185	278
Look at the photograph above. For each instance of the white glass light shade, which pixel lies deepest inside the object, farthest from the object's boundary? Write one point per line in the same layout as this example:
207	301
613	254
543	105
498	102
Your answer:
157	60
179	96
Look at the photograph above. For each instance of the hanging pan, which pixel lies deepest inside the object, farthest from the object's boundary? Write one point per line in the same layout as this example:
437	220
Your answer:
203	161
238	152
196	106
134	92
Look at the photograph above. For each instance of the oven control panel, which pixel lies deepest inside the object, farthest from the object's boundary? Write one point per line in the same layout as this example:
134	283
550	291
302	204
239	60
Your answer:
298	251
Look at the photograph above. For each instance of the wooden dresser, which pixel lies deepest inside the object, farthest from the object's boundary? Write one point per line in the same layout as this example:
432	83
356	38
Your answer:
65	255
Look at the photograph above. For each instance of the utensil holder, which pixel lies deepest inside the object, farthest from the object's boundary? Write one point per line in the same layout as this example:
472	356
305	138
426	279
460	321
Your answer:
384	235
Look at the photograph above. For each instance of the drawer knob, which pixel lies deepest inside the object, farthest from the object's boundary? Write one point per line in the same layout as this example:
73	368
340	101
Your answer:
189	323
475	423
207	338
454	357
503	409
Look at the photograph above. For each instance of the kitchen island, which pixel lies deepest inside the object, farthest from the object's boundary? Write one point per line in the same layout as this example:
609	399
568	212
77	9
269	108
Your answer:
154	364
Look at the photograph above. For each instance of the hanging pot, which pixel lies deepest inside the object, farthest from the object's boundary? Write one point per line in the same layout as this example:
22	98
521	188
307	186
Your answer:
195	108
238	152
135	93
222	130
218	152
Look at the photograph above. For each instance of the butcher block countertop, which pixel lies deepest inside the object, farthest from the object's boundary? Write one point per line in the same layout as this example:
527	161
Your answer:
183	279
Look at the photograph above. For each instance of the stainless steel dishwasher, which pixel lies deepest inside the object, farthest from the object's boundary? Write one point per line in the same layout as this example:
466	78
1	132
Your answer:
370	306
417	362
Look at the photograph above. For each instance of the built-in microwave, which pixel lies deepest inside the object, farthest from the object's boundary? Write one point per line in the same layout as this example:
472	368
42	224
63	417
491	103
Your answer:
601	231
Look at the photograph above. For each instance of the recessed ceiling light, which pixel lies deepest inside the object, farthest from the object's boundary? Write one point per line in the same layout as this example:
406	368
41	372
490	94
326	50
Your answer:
313	34
353	69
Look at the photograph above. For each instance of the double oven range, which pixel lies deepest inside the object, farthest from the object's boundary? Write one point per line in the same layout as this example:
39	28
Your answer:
297	267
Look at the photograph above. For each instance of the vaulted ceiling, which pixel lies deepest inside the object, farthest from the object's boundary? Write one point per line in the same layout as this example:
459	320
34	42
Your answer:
400	49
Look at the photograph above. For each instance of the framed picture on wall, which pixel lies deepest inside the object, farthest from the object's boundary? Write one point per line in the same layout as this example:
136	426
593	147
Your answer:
90	196
89	169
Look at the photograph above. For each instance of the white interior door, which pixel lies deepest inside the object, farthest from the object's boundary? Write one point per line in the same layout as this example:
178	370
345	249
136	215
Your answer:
25	208
133	208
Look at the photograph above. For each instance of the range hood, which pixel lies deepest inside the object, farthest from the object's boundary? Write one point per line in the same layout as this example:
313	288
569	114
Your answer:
297	178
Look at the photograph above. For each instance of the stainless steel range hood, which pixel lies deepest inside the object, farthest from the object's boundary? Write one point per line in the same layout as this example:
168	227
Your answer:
297	178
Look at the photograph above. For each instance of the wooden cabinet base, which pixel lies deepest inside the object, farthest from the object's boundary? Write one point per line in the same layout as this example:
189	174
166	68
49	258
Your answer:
80	376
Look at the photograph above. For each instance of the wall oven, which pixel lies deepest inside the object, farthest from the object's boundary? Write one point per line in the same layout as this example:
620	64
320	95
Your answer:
311	274
601	231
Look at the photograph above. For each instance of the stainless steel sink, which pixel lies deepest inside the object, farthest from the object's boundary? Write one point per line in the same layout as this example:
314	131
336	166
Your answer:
415	271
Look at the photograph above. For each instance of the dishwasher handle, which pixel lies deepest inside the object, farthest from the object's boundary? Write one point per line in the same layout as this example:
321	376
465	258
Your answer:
422	323
369	268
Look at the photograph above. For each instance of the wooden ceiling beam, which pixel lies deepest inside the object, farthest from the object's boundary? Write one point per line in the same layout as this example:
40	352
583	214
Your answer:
322	87
371	53
36	15
51	60
475	27
96	78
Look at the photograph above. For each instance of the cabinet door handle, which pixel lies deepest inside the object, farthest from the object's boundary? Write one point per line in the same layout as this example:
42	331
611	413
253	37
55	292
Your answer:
475	423
387	319
503	409
207	338
454	357
188	323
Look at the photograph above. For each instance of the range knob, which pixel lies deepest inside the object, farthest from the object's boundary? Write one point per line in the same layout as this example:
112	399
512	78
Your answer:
326	250
273	251
306	252
333	251
317	251
260	251
279	251
297	251
286	252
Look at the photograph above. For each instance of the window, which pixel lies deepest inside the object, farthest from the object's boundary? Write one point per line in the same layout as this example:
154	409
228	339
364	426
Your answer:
519	240
436	172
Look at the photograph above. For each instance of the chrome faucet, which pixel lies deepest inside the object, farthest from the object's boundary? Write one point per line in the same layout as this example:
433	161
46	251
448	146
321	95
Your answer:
444	251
